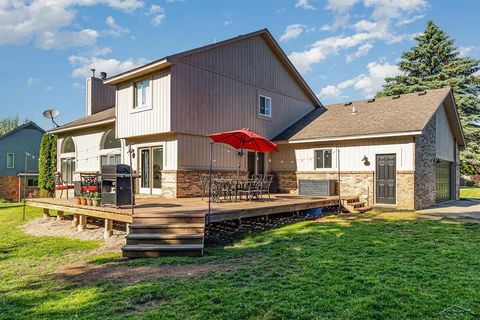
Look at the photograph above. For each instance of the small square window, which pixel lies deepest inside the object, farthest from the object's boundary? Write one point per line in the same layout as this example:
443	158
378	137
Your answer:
265	106
10	160
142	94
323	159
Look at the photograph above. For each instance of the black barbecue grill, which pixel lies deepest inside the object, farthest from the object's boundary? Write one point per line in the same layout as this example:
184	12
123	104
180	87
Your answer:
116	187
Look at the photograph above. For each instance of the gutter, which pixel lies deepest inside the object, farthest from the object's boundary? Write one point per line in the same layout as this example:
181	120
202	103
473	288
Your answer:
356	137
82	126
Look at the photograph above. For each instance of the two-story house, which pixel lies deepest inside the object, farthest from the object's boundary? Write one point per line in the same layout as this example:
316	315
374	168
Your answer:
400	151
17	146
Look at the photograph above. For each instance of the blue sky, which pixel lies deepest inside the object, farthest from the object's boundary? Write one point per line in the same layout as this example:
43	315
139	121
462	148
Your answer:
343	48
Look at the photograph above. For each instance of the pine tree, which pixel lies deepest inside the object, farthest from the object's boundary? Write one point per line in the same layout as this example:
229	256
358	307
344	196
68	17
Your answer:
432	63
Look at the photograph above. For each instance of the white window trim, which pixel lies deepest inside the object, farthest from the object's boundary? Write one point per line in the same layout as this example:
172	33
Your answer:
13	162
260	96
315	159
134	100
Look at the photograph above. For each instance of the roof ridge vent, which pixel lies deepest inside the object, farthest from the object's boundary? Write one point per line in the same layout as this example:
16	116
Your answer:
422	93
348	103
371	100
396	97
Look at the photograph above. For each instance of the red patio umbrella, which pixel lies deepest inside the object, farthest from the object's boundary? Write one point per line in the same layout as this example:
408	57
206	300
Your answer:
245	139
240	139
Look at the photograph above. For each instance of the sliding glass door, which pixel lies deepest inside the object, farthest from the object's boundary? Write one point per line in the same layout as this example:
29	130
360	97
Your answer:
151	166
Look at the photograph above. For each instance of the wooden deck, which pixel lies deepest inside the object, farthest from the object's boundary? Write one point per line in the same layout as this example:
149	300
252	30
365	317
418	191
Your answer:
162	226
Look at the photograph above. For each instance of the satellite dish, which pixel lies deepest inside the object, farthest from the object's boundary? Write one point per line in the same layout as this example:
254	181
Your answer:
51	114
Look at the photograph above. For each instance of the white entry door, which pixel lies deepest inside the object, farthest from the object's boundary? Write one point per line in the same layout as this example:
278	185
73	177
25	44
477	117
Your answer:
151	166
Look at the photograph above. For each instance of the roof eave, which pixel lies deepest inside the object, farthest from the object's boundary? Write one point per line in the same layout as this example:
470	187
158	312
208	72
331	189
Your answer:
140	71
354	137
82	126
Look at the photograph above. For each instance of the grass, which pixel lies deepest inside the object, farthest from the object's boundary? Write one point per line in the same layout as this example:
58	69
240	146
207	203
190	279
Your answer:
470	192
385	268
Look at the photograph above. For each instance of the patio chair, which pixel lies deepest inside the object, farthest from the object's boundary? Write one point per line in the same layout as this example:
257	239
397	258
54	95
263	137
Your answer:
204	182
253	190
267	182
61	185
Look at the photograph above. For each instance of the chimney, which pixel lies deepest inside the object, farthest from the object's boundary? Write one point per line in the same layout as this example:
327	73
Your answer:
99	96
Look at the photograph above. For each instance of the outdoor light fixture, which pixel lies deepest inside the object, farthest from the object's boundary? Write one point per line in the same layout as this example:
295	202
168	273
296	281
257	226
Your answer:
365	161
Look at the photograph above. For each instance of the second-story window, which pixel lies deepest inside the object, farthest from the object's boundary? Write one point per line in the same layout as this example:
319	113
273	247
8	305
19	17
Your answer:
265	106
142	94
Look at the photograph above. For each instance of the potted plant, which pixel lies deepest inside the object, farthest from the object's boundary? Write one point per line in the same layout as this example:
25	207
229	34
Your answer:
96	199
83	200
89	199
78	200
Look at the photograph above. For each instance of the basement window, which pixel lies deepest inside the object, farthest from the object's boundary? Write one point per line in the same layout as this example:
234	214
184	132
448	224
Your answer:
265	106
323	159
10	160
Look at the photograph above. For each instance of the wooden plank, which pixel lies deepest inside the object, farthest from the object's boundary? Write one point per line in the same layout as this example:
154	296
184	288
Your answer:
108	232
60	215
82	211
82	223
46	213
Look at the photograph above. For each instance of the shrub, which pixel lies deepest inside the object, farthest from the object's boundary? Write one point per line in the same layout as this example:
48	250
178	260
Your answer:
47	165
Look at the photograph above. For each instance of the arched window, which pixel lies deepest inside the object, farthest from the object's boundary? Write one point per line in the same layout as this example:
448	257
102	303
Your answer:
68	145
109	141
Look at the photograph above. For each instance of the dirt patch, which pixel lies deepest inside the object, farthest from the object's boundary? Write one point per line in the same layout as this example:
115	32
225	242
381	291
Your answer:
91	273
50	227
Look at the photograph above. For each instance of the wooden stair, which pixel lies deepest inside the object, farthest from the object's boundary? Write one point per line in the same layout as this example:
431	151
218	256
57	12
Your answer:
354	205
165	234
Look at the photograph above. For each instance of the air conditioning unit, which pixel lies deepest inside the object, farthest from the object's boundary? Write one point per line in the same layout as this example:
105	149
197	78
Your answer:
312	187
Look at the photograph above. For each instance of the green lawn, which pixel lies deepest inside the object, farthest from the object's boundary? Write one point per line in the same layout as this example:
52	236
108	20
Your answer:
337	269
470	192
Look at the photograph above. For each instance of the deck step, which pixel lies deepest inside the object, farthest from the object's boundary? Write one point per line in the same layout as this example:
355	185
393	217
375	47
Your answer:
363	209
169	220
183	228
169	215
144	251
164	239
357	203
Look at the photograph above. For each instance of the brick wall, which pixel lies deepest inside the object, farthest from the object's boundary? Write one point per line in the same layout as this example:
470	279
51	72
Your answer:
9	188
425	154
285	181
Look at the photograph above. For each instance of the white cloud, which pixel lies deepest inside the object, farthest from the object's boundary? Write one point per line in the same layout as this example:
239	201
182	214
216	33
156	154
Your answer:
368	84
409	20
157	13
32	81
363	50
41	21
390	9
116	30
292	31
465	51
66	39
82	65
341	21
330	92
340	5
304	4
175	1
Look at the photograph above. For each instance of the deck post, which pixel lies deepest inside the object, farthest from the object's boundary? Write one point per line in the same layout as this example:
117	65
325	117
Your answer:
108	231
82	222
60	215
75	220
46	213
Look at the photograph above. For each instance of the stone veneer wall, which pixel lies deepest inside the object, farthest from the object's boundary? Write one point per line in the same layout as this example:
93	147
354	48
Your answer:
406	190
457	172
425	154
188	183
285	181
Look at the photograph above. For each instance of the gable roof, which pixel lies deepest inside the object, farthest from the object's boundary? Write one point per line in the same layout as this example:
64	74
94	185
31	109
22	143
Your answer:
172	59
406	114
97	119
23	126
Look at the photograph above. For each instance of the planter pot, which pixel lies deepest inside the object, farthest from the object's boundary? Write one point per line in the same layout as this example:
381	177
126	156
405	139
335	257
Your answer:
89	201
84	201
96	202
78	200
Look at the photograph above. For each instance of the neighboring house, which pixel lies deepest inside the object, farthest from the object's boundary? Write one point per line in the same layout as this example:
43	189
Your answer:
393	151
13	148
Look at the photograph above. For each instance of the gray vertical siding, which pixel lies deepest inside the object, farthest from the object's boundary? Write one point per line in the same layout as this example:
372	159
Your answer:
27	139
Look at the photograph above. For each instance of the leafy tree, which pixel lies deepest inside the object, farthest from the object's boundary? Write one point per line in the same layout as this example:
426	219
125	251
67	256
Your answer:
432	63
47	165
9	124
